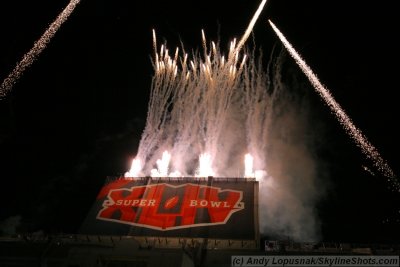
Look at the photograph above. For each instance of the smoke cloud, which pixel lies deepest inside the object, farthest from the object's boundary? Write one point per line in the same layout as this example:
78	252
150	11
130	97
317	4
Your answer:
289	193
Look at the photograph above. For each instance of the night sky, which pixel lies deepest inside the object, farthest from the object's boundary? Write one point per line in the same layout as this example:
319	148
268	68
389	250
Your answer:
76	115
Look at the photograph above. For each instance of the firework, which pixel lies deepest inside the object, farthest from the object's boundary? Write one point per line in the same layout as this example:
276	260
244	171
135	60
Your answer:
37	48
367	148
192	102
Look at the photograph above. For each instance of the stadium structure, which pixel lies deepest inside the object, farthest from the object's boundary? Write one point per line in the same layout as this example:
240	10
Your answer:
166	221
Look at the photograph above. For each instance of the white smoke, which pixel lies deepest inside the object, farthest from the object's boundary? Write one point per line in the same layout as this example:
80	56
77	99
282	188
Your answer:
290	191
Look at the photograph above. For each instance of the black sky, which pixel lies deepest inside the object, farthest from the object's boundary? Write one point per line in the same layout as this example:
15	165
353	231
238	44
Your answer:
76	115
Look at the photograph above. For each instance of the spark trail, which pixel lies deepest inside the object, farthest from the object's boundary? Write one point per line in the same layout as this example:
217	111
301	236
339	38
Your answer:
251	26
37	48
367	148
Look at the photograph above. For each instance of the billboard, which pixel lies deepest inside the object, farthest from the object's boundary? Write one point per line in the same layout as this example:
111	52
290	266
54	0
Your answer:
176	207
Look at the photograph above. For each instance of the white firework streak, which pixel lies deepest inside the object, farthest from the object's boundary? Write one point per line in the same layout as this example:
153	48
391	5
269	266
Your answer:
367	148
251	26
37	48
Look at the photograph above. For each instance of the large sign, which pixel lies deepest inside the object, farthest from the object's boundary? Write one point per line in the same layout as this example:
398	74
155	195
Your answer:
190	207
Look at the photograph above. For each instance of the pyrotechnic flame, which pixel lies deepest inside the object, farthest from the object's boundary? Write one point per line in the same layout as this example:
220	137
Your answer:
37	48
248	166
162	165
136	167
205	165
366	147
154	173
175	174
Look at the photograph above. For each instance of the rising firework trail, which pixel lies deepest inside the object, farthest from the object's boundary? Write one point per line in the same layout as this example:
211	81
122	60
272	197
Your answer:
251	26
37	48
367	148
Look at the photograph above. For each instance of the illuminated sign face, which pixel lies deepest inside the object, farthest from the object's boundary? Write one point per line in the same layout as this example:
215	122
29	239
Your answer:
166	207
225	208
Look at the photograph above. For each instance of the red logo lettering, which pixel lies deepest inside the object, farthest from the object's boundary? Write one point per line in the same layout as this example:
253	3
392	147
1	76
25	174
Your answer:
166	207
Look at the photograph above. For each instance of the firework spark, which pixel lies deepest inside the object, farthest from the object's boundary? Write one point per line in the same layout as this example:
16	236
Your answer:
367	148
37	48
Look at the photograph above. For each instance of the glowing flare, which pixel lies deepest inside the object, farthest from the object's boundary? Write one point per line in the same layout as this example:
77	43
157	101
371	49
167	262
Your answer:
162	164
175	174
154	173
205	165
248	166
136	167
